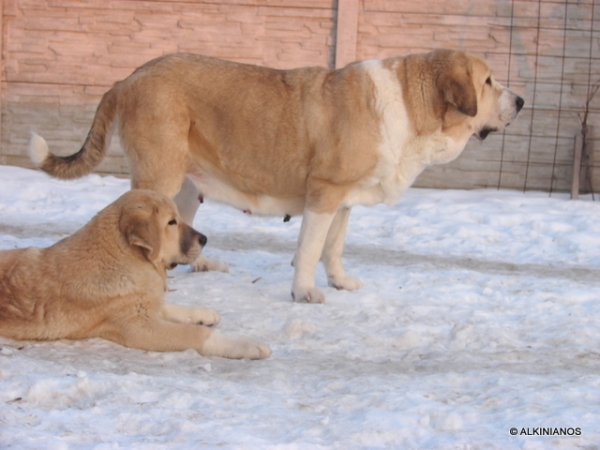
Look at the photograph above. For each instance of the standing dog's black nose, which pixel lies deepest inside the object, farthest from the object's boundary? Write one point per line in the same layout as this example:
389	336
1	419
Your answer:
520	102
202	239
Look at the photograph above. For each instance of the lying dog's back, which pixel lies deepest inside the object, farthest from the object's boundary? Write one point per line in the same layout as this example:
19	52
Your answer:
26	309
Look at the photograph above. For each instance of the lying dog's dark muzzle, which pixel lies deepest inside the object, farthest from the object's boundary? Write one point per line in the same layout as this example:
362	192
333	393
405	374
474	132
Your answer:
202	239
189	237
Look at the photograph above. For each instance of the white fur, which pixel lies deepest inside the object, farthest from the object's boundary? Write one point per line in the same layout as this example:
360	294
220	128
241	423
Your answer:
204	264
402	155
507	106
313	233
38	149
395	170
233	347
332	253
266	205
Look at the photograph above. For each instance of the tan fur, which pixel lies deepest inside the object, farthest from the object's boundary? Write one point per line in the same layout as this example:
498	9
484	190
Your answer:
108	280
307	141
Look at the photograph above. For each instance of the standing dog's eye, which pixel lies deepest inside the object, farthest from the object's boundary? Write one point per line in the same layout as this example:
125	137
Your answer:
488	81
172	222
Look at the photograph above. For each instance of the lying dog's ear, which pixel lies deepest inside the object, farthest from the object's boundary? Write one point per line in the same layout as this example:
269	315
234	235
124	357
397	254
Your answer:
140	229
455	83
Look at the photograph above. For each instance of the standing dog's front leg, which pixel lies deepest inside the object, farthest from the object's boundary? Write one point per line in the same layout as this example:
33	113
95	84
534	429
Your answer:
332	253
313	233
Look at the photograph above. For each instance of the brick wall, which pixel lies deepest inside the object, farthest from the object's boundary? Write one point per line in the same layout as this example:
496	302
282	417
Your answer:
60	56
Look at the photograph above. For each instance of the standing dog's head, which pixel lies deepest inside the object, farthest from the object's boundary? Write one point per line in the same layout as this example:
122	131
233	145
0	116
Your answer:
465	83
149	221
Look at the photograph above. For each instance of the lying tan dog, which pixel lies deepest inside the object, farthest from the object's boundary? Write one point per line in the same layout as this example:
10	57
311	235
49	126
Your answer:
308	141
108	280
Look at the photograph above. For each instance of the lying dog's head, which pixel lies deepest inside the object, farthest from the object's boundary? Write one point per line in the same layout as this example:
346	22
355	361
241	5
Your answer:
466	83
150	222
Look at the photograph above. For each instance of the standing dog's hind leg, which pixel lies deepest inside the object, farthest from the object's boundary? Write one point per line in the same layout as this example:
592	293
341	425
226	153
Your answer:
188	200
332	253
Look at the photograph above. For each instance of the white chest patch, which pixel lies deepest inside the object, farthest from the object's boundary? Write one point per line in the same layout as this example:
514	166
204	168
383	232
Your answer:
398	164
402	154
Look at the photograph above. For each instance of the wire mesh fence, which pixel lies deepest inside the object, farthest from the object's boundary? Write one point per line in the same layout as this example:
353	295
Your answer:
569	35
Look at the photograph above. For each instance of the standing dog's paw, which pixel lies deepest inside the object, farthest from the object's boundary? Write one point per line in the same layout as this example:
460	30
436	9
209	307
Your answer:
308	295
203	264
345	283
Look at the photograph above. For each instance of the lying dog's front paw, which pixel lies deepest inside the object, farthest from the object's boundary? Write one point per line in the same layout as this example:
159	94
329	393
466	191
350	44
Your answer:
345	283
203	264
197	315
256	350
234	347
204	316
308	295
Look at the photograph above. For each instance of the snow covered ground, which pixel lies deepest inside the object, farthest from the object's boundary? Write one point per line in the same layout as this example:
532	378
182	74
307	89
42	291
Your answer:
479	313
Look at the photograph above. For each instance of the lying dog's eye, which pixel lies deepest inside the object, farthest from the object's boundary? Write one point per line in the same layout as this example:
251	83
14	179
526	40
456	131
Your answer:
172	222
488	81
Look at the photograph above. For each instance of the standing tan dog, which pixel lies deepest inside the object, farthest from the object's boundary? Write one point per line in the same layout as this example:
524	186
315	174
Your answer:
108	280
308	141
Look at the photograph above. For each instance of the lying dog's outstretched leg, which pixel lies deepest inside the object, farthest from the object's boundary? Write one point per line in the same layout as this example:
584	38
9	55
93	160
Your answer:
162	336
332	253
198	315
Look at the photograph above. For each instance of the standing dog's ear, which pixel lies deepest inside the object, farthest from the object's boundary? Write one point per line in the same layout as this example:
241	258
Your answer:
455	83
139	227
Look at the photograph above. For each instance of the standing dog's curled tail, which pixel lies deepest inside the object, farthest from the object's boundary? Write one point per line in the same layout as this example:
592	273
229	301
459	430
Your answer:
91	153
